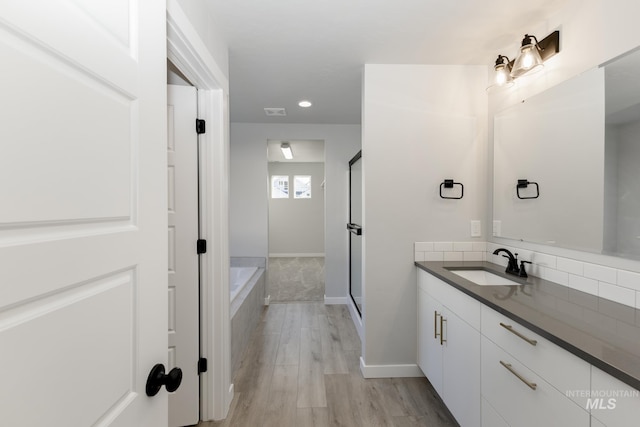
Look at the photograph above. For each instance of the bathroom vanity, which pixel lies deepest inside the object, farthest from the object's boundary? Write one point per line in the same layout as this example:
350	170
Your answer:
530	353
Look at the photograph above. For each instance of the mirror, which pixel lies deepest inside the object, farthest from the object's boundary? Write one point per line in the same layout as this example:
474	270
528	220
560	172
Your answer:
577	145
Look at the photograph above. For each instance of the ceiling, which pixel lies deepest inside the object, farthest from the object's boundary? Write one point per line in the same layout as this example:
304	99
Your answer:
283	51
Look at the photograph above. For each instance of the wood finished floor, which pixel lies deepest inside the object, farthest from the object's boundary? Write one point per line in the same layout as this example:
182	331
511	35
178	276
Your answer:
302	369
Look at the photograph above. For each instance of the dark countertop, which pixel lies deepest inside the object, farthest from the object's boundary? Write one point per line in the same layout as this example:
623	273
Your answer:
602	332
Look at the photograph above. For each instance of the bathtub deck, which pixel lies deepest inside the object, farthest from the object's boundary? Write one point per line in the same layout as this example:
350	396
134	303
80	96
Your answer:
302	369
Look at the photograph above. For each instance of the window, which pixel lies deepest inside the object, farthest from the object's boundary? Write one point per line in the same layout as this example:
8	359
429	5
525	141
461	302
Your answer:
279	187
302	187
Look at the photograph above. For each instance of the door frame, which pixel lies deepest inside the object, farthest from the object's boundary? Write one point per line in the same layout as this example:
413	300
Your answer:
189	54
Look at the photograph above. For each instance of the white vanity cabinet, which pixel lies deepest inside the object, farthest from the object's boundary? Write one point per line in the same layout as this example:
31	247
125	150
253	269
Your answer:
492	371
613	403
449	346
522	397
566	372
527	379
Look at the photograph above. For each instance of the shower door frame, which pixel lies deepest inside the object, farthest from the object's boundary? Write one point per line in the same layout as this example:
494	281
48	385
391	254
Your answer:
355	159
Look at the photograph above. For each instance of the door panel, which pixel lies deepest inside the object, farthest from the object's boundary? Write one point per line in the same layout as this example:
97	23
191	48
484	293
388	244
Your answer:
82	241
98	349
182	160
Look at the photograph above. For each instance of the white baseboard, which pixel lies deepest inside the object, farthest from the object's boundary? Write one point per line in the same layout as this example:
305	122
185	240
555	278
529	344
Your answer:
390	371
267	300
292	255
335	300
230	397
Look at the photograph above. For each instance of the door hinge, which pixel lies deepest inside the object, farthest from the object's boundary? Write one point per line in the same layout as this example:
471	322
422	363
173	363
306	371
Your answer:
201	246
200	126
202	365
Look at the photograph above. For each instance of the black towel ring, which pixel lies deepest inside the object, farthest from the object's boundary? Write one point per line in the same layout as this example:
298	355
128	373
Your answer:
448	183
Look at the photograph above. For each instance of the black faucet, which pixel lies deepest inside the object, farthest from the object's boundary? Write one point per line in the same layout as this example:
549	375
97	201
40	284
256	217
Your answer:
523	272
512	267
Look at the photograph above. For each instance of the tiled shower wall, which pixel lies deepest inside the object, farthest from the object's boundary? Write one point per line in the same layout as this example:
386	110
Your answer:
621	286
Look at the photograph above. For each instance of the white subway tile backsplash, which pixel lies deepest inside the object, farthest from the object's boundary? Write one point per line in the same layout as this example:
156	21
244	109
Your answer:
523	254
617	293
492	247
473	256
423	246
536	270
443	246
629	279
479	246
583	284
462	246
434	256
453	256
496	259
544	260
556	276
600	273
621	286
570	266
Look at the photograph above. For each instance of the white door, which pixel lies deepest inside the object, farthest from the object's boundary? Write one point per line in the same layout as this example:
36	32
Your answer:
182	158
83	244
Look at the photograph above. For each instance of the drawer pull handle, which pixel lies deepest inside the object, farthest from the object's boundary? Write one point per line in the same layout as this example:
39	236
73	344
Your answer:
442	320
531	385
513	331
435	324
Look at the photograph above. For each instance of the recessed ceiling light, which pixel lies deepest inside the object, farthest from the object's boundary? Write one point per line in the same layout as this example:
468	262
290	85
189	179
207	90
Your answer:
304	103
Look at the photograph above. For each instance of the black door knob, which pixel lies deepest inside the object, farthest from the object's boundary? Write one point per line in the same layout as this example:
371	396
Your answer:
157	378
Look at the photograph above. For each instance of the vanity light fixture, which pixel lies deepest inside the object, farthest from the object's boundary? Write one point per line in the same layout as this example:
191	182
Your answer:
286	150
529	58
503	71
533	54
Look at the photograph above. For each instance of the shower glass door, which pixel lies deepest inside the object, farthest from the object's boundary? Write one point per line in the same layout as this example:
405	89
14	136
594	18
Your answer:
355	231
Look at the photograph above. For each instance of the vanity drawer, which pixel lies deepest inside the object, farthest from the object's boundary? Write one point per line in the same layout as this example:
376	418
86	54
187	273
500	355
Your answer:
555	365
516	401
465	307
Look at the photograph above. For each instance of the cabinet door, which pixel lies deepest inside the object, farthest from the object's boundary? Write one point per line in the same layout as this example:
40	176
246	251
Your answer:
461	370
429	348
490	418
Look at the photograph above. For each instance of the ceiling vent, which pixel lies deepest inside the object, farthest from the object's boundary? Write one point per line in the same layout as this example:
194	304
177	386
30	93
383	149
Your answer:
275	111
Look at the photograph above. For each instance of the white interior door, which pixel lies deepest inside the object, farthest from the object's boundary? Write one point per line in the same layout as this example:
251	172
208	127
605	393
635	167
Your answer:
182	158
83	248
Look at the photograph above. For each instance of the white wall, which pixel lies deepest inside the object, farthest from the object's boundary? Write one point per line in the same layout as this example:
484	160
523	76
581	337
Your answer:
607	28
200	17
421	125
296	226
249	185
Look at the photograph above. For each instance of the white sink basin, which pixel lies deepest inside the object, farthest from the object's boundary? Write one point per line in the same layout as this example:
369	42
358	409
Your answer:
484	278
